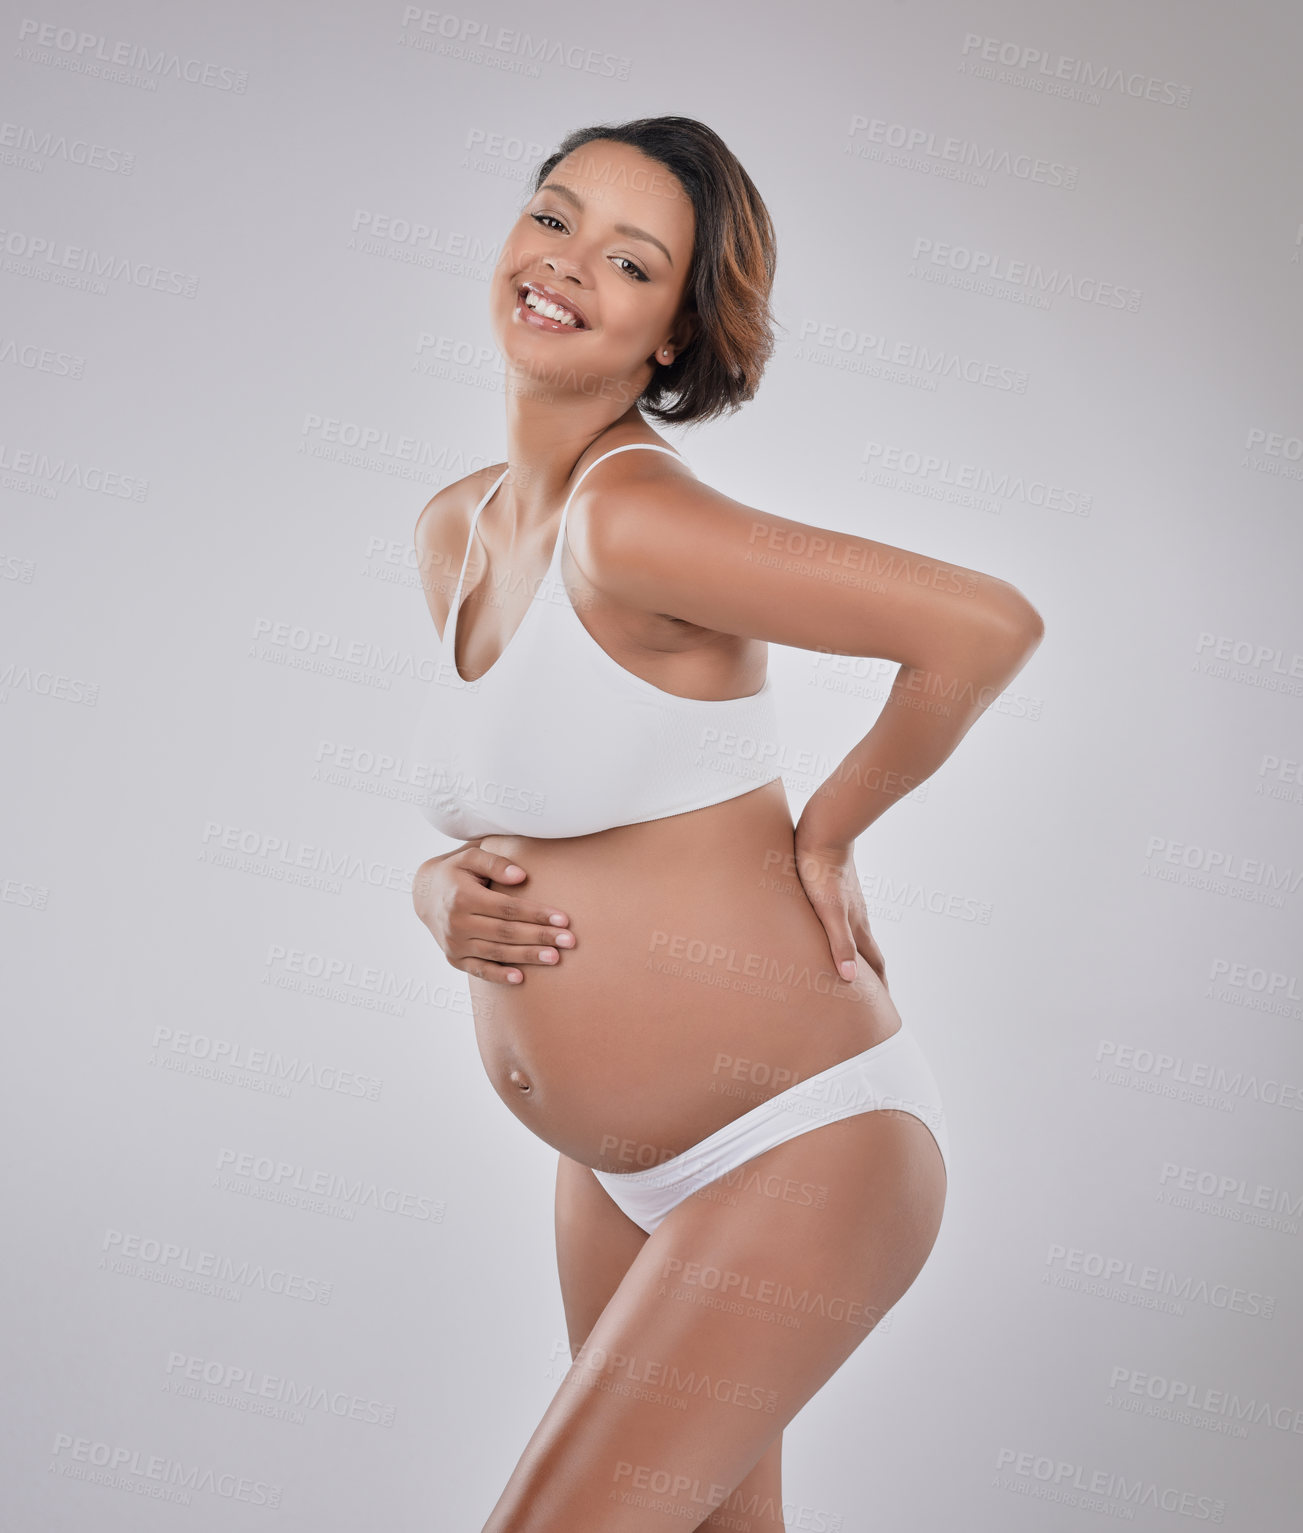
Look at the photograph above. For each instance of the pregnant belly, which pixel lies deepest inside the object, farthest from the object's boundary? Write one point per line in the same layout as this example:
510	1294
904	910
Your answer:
701	984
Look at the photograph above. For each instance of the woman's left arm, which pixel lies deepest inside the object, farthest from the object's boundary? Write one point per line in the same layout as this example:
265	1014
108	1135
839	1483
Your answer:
676	546
927	712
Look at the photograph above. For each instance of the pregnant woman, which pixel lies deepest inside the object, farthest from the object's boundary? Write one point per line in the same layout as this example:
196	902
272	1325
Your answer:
673	985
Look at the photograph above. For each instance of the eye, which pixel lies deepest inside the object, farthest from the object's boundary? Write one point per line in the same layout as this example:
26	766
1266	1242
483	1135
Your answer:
633	270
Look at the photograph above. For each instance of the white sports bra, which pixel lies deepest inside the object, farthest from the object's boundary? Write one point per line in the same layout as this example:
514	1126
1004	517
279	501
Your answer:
559	739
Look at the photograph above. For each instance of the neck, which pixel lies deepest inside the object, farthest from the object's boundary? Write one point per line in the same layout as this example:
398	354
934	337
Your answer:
545	439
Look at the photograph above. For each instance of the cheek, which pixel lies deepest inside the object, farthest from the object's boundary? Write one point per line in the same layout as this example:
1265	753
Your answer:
630	320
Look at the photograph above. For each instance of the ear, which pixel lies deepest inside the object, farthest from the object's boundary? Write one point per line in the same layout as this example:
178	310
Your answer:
685	327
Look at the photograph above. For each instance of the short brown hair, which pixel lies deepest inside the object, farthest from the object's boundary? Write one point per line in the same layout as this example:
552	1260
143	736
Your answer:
731	274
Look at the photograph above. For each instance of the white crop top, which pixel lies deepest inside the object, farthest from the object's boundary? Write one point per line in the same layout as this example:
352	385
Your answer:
558	739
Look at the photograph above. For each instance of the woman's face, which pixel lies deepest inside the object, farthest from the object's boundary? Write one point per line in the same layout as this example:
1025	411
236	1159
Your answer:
609	234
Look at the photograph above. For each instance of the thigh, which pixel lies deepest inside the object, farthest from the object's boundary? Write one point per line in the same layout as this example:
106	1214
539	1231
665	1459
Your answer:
596	1244
732	1314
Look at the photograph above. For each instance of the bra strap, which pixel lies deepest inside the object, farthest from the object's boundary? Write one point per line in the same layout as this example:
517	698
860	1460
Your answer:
627	447
449	626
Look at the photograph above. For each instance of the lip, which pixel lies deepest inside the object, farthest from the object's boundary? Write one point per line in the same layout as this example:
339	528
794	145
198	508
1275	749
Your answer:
561	299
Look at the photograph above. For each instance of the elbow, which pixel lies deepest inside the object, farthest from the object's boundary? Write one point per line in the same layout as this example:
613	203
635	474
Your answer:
1029	625
1017	629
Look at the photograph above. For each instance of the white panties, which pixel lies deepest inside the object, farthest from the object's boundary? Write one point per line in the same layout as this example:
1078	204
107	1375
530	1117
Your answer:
894	1073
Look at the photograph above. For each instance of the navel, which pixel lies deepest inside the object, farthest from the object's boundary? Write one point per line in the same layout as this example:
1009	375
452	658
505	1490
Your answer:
519	1078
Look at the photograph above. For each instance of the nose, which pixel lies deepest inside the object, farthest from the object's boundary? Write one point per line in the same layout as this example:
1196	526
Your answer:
563	268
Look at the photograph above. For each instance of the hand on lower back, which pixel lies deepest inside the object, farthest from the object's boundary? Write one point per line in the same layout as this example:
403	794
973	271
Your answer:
832	884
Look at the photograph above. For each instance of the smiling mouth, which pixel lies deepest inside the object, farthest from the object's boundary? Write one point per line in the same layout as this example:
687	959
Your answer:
555	314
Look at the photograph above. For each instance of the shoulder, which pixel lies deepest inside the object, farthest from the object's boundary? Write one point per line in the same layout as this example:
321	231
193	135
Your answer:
441	533
451	507
632	498
655	538
444	524
644	510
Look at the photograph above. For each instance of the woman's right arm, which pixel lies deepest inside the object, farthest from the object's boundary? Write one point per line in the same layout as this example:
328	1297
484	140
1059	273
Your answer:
482	931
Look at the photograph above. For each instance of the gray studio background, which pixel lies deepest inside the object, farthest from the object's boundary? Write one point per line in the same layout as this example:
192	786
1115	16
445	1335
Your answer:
276	1255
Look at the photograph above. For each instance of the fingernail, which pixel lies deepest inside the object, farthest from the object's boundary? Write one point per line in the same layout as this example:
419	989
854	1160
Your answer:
566	939
548	955
510	869
514	976
848	970
556	919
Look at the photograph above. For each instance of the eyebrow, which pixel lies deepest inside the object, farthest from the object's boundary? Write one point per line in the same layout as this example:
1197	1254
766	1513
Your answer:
628	230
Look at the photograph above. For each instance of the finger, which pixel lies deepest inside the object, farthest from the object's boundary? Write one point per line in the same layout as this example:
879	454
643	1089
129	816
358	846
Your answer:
489	865
491	973
511	907
476	926
508	952
840	940
864	941
829	904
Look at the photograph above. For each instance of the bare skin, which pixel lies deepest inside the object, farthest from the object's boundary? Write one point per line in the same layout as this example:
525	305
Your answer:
636	989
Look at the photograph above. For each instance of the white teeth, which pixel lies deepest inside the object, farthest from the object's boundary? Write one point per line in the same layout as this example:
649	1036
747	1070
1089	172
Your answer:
549	310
